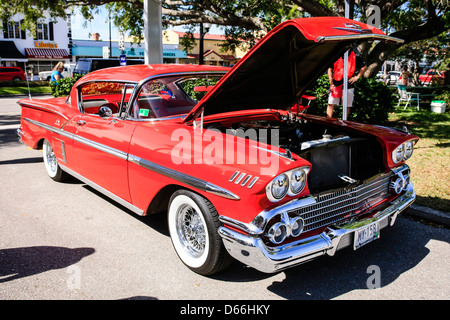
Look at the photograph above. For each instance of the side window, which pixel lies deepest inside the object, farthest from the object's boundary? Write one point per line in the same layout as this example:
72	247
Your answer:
196	88
95	95
151	100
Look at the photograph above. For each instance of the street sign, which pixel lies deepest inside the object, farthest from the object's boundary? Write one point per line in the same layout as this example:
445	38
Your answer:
121	37
123	59
105	52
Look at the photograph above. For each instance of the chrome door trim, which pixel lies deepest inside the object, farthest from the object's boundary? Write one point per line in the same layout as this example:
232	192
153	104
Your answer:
184	178
175	175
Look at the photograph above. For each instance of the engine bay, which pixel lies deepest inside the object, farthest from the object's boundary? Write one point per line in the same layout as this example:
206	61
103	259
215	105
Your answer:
338	157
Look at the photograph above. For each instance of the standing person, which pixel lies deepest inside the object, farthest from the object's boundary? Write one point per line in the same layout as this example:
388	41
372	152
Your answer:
57	72
404	76
356	69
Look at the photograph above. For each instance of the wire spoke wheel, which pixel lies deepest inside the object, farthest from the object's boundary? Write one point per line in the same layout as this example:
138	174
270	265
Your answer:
193	224
191	230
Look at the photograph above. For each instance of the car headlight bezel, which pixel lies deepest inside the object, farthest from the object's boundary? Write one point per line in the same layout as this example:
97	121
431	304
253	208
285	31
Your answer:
403	151
279	186
409	149
277	233
295	176
297	181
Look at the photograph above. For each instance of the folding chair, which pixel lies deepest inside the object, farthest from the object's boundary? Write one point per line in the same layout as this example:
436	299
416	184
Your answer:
407	97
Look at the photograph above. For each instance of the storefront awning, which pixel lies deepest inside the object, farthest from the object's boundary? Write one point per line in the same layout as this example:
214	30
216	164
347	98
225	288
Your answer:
40	53
9	52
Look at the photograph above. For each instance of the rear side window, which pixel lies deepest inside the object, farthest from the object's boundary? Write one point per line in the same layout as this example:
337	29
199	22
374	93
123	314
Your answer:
105	94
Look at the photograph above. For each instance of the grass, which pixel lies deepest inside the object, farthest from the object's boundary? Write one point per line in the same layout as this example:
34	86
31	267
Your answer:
430	163
5	91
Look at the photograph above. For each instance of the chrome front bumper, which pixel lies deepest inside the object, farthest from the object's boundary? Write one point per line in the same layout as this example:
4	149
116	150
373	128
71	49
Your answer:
253	252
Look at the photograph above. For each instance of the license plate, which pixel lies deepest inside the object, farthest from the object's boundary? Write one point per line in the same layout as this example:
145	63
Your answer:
365	235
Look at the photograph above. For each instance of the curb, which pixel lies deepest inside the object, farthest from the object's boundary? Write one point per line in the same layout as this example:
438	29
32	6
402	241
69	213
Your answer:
25	95
428	214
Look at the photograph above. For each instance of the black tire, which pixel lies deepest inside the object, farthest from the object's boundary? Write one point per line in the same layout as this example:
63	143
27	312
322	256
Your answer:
52	167
193	226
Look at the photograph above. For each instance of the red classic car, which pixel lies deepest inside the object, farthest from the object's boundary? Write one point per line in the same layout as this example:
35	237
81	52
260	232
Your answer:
241	170
431	77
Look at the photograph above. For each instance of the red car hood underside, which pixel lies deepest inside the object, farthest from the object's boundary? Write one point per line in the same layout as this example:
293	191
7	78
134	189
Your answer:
284	64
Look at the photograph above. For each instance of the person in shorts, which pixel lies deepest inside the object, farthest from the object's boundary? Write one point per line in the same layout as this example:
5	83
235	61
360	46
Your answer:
356	69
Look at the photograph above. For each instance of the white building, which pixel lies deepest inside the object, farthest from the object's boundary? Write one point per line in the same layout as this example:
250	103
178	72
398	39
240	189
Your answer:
35	53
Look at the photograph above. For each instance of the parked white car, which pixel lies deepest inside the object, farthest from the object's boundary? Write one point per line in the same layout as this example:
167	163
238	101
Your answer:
67	73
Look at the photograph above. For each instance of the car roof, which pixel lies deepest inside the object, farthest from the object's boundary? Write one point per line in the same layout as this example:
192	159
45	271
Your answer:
136	73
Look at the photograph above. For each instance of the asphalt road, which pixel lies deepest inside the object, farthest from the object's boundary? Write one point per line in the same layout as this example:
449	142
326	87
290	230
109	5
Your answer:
66	241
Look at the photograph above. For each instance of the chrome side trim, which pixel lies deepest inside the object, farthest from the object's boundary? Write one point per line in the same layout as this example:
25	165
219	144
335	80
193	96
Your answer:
114	152
178	176
120	154
107	193
184	178
50	128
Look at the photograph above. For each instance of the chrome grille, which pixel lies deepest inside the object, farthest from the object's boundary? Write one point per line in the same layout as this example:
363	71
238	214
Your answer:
343	204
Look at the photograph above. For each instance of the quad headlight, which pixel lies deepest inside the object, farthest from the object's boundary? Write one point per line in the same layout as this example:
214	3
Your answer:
403	152
290	182
297	181
279	186
286	227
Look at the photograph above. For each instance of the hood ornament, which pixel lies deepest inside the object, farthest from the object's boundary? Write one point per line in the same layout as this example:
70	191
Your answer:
353	27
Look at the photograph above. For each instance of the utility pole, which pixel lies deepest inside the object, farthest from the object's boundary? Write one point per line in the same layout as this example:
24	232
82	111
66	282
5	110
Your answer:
153	32
348	14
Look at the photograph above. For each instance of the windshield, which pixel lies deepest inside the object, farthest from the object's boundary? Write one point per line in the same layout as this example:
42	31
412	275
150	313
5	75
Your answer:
171	96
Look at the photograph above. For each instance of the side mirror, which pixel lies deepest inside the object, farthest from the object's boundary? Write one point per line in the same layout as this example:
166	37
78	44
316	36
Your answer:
105	112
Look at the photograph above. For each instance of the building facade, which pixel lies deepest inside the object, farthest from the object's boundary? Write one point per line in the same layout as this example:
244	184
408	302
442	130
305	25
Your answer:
53	43
98	48
35	52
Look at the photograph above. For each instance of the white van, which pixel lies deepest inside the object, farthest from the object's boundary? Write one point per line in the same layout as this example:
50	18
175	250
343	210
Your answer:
67	73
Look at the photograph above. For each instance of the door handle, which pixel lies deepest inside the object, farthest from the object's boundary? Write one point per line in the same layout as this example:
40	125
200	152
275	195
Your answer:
81	122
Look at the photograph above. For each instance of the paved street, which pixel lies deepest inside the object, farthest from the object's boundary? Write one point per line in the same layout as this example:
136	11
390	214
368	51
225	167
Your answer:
66	241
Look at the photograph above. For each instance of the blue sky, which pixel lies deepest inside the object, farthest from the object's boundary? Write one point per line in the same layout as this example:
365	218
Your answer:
100	24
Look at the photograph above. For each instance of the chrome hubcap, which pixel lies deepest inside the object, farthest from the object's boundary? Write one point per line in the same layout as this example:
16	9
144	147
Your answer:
51	159
191	230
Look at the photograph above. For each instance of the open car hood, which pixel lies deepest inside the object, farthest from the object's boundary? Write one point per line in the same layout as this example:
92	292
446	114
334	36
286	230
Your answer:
284	64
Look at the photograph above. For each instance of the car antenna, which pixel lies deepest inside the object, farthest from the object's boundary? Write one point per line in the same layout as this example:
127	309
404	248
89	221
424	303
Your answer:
28	84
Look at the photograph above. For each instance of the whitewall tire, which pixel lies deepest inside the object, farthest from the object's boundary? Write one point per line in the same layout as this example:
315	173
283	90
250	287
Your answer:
52	167
193	224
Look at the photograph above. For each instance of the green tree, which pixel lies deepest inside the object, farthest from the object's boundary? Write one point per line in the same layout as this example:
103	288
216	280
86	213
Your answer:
411	20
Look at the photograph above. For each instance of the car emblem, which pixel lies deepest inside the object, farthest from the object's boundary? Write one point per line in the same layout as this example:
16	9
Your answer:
353	27
347	178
